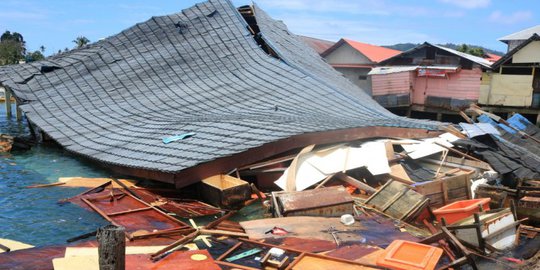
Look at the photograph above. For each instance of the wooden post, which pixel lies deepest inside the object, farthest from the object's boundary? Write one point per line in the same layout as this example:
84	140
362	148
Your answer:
7	95
439	117
112	247
18	112
538	120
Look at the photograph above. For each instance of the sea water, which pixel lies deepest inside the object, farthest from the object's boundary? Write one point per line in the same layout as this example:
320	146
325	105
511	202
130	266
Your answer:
32	215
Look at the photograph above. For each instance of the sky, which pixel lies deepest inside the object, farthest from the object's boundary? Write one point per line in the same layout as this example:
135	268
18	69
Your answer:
56	23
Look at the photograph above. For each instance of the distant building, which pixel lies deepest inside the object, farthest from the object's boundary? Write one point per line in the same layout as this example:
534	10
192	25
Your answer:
429	76
515	80
319	45
515	39
491	57
355	59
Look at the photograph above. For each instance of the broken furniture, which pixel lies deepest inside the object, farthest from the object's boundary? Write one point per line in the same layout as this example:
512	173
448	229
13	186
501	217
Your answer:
465	255
225	191
398	201
329	202
490	231
529	207
446	189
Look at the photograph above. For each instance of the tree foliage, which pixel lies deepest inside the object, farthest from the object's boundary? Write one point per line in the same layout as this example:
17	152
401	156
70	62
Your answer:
81	41
34	56
12	48
476	51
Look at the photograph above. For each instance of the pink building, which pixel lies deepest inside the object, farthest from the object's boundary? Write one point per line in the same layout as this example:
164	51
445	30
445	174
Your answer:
429	76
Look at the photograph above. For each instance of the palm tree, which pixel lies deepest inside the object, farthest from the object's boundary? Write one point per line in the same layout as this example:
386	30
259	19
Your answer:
42	49
80	41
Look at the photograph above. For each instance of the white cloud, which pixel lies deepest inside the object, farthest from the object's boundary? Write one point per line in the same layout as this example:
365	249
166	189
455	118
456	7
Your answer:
334	29
340	6
469	4
19	15
512	18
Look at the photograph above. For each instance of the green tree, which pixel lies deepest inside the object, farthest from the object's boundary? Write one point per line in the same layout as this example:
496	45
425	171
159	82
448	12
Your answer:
12	48
81	41
477	52
34	56
471	50
463	48
42	49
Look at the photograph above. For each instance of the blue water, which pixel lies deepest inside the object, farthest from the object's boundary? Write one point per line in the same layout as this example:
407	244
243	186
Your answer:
33	215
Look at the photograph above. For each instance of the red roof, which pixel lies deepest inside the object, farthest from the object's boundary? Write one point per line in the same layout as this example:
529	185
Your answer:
373	52
492	57
320	45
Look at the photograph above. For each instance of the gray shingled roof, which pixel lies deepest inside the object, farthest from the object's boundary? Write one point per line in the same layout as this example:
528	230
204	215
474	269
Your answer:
199	71
522	35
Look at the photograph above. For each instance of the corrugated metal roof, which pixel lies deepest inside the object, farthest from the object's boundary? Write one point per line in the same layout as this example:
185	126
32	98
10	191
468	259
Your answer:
198	71
522	35
510	54
373	52
492	57
479	60
397	69
476	59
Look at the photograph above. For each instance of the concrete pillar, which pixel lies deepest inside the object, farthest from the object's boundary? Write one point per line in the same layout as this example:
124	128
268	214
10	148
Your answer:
538	120
439	117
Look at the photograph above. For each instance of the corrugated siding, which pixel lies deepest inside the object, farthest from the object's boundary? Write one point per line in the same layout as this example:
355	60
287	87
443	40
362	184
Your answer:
394	83
464	84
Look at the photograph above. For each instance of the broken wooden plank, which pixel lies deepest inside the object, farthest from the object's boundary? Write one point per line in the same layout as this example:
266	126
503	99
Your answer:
356	183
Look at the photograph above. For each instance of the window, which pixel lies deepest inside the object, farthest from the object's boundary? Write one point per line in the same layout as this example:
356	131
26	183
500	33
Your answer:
362	77
517	70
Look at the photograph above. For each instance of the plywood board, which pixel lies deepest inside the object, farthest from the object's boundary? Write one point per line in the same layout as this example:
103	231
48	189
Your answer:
511	90
13	245
528	54
305	227
93	182
93	251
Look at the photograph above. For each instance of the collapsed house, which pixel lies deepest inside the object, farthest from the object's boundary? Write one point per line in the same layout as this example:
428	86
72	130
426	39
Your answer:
182	97
215	91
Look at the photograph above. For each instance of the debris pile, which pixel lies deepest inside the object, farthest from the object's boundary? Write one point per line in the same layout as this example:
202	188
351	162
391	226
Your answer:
364	204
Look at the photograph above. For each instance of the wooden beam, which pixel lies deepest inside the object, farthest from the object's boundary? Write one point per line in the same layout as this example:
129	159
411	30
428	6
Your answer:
112	247
466	117
356	183
18	112
7	102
